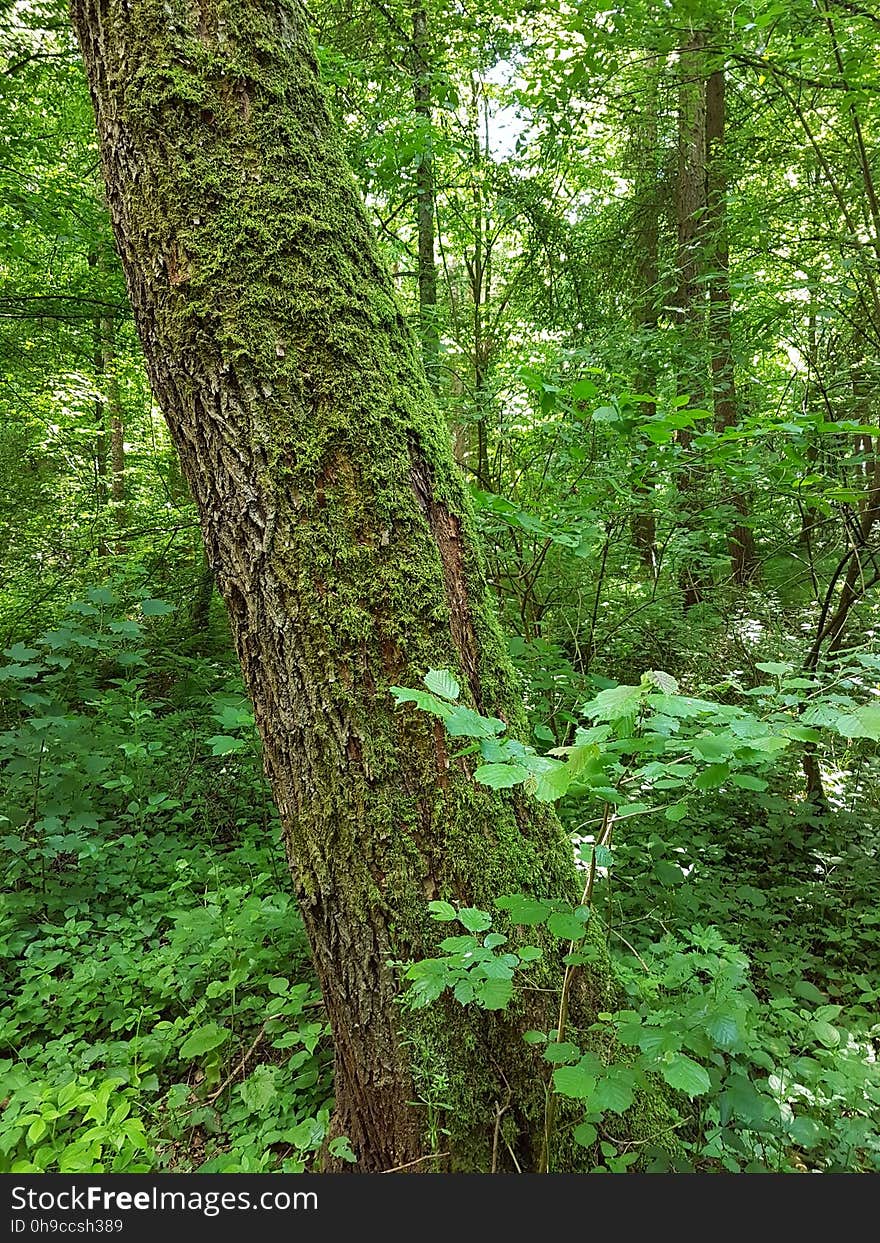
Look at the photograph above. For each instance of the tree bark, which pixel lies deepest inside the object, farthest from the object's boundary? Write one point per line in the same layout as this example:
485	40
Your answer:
339	531
741	543
117	430
428	329
644	146
690	214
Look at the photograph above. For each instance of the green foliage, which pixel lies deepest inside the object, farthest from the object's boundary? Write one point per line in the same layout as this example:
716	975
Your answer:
159	1009
765	1082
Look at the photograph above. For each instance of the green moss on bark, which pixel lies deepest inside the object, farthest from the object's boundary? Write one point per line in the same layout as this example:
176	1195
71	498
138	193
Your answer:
337	525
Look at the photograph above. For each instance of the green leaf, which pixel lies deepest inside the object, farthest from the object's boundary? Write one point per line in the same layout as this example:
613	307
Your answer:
578	1082
442	683
868	723
723	1030
501	776
463	722
614	1091
522	910
494	994
616	704
664	682
566	926
809	992
774	667
585	1135
422	700
715	746
156	608
712	777
204	1039
561	1051
685	1075
443	912
474	920
259	1089
746	781
341	1147
224	744
552	782
827	1034
529	953
668	873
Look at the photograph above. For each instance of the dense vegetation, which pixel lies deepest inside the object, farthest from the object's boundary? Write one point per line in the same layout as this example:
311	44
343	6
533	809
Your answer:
640	249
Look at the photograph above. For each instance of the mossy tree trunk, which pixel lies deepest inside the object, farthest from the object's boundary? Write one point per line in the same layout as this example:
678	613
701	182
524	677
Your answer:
339	531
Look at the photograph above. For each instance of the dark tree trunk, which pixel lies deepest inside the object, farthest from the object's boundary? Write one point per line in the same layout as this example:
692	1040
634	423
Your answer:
428	328
690	214
741	543
340	534
117	430
644	158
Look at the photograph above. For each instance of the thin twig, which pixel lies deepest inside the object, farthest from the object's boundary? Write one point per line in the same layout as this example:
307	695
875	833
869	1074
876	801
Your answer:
428	1157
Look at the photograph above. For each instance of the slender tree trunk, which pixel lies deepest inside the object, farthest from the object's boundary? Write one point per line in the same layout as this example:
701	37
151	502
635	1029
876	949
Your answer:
340	533
742	543
430	336
117	430
477	270
690	213
644	157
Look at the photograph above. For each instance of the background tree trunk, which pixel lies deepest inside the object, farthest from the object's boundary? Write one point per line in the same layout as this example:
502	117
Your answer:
428	329
340	534
741	543
690	214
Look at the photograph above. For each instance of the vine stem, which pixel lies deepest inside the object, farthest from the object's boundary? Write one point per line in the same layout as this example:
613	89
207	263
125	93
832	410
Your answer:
570	969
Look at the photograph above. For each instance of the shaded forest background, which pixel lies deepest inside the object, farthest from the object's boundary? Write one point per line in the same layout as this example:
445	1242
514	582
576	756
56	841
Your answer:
641	251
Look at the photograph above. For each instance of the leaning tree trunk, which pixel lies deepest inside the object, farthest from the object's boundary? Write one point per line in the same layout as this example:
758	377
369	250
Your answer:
338	528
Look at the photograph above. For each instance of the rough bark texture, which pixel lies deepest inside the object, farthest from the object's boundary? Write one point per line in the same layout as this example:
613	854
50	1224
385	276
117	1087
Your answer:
339	531
690	214
644	153
741	543
421	72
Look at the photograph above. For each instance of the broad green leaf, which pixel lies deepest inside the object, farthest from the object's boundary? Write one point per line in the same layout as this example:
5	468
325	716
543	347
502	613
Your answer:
224	744
585	1135
204	1039
616	704
614	1091
746	781
494	994
566	926
558	1052
501	776
578	1082
712	777
441	682
715	747
474	920
443	912
685	1075
668	873
522	910
259	1089
463	722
